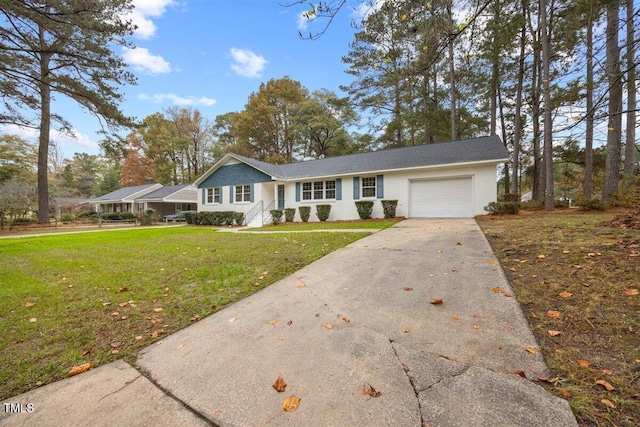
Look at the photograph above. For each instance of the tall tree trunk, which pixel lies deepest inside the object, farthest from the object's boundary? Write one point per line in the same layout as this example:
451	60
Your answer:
452	75
538	175
614	133
45	127
517	122
495	70
546	93
630	146
504	140
588	148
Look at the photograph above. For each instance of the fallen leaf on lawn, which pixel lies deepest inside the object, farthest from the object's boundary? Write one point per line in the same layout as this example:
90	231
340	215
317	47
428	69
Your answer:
542	256
138	337
533	314
264	273
497	290
104	304
116	344
531	350
279	385
563	391
565	294
606	385
328	326
233	319
407	288
273	322
553	314
345	319
291	403
405	330
554	333
195	318
630	292
608	403
116	351
80	369
370	391
512	269
64	277
566	252
30	304
115	313
436	301
85	352
157	333
123	304
123	289
158	309
523	261
584	363
33	320
607	371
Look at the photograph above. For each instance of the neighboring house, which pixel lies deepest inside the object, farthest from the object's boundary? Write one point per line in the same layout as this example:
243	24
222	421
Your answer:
449	179
168	200
124	199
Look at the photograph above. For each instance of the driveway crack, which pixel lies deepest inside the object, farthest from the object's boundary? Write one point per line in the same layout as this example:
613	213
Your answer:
405	368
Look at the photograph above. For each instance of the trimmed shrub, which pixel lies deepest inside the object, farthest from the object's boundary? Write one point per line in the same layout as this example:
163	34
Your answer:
276	216
146	217
305	212
532	205
289	214
218	218
227	217
364	207
238	217
110	216
592	204
67	217
389	208
87	214
323	211
503	208
127	215
206	218
188	217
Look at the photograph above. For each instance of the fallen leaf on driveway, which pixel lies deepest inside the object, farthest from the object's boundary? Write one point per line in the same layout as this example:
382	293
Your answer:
606	385
436	301
233	319
405	330
407	288
459	244
328	326
80	369
279	385
497	290
346	319
291	403
273	322
370	391
531	350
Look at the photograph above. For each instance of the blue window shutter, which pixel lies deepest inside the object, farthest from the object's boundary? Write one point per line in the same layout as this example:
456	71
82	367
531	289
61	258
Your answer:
221	199
204	196
339	189
231	194
297	191
356	187
380	186
251	194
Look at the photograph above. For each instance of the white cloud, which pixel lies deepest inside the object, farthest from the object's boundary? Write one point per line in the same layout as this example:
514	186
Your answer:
247	63
303	21
145	9
159	98
142	60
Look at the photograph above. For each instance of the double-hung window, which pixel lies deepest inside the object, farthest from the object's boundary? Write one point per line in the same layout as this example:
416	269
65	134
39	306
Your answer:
319	190
369	186
243	193
213	195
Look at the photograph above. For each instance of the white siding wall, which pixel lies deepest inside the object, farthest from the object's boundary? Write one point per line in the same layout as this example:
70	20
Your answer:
396	187
261	191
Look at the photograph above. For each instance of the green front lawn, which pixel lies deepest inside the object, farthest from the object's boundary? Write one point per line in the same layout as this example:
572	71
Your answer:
95	297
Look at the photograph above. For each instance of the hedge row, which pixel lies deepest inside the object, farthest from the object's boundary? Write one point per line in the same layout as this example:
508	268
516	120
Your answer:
214	218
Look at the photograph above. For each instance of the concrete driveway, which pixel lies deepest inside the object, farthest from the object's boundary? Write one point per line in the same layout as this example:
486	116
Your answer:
360	318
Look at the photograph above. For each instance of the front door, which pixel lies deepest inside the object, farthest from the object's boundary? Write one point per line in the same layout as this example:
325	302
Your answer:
280	196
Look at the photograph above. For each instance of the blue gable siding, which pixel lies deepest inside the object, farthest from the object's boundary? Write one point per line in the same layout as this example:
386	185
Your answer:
235	174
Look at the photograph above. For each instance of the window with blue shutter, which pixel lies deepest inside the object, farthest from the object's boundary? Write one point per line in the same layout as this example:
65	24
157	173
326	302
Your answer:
297	191
204	195
380	186
231	194
356	187
251	194
339	189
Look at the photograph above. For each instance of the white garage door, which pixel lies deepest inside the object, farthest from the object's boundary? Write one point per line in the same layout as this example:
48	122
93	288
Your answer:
441	198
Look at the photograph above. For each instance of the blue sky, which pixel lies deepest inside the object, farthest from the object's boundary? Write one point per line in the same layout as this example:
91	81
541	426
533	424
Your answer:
211	55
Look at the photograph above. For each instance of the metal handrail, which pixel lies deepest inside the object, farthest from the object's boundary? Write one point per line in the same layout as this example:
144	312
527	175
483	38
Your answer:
253	212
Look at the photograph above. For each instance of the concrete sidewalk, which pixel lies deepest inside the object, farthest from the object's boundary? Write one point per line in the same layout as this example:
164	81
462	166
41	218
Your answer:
358	318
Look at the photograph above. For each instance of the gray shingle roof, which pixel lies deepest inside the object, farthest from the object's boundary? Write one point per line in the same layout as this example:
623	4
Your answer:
163	192
122	193
443	153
